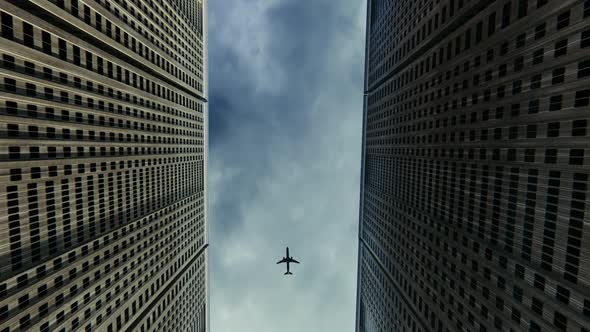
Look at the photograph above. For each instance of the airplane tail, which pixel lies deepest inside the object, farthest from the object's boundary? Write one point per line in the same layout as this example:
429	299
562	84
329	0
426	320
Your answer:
288	273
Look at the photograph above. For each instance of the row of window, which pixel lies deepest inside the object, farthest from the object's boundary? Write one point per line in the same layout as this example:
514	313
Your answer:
101	66
99	105
122	260
95	98
114	31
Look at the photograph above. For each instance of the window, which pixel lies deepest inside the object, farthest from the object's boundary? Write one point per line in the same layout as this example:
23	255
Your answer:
516	87
501	92
555	103
99	22
540	31
515	315
46	42
502	70
31	89
506	15
558	75
563	20
8	61
529	157
534	106
531	131
28	35
87	16
553	129
29	68
584	69
76	55
576	157
491	24
550	158
536	81
504	48
478	32
560	321
515	110
12	130
582	98
74	8
585	39
538	56
520	40
62	49
561	48
6	25
14	152
518	63
9	84
562	294
579	127
89	62
522	8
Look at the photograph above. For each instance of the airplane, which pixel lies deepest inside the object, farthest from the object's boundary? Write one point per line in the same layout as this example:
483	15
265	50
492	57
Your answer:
287	260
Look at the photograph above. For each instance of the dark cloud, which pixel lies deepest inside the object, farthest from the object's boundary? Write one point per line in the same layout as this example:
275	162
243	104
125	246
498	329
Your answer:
285	135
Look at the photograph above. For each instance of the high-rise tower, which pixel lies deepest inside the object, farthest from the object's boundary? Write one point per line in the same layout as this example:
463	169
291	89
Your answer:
103	161
474	196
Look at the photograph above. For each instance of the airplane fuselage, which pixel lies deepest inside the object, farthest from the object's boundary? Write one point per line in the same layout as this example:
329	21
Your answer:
288	258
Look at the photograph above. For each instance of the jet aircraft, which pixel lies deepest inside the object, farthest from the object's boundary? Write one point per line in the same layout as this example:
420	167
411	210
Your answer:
287	260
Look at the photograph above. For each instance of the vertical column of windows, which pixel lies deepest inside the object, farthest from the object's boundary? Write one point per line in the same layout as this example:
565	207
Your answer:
135	196
14	226
102	224
550	219
471	201
91	201
51	217
511	210
120	216
575	228
529	214
34	222
66	216
80	213
112	208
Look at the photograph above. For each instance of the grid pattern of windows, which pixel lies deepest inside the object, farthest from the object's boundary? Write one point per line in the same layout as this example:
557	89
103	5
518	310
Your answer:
474	201
102	166
192	10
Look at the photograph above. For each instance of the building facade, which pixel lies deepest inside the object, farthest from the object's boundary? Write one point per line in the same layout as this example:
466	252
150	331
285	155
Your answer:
476	158
103	163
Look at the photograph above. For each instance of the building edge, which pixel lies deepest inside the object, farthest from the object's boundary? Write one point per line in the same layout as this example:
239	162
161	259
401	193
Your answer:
206	158
362	175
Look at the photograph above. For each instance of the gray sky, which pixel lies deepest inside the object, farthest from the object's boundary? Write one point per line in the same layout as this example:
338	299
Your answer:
285	139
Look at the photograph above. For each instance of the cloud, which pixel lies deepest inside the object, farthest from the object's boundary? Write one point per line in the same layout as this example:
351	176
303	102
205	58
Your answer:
285	139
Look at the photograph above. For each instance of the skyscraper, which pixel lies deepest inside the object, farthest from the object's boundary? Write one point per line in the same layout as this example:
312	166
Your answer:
474	192
103	117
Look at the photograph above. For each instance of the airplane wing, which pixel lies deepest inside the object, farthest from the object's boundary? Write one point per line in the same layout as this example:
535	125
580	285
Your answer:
293	261
282	261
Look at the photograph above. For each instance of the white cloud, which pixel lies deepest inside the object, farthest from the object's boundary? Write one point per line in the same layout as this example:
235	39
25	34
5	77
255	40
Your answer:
242	24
